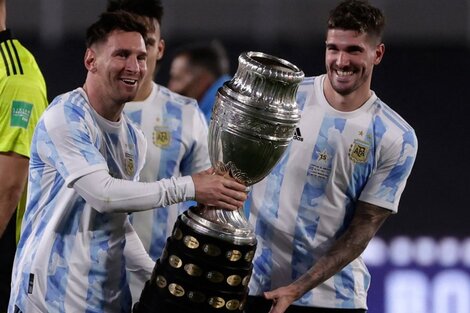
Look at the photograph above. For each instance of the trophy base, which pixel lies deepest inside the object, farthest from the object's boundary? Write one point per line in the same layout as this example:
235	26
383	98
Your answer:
152	302
198	272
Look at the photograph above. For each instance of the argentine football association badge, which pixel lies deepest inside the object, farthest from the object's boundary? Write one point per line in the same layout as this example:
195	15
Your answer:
359	151
161	137
130	164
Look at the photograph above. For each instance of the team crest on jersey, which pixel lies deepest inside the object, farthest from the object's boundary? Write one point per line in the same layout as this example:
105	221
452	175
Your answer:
129	164
359	151
161	137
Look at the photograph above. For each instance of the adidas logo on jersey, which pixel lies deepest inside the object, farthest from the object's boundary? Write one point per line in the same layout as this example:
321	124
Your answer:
297	135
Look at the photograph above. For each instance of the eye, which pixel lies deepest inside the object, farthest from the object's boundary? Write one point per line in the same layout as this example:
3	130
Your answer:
150	42
331	48
121	54
355	50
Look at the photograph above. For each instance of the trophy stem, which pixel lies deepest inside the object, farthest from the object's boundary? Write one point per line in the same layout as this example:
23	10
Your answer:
230	226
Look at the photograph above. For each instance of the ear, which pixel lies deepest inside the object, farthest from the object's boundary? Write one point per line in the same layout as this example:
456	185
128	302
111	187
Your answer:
90	60
379	53
161	49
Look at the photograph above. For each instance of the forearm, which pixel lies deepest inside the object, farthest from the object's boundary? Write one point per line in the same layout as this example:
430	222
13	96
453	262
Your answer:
8	201
348	247
107	194
13	176
3	15
344	251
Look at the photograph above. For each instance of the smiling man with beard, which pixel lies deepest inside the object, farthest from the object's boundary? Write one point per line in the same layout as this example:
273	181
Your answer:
341	178
86	157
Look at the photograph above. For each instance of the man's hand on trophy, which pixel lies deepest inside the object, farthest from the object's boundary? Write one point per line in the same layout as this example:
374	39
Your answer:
219	191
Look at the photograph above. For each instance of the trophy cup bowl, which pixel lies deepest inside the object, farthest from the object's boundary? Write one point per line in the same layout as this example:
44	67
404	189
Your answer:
207	261
252	124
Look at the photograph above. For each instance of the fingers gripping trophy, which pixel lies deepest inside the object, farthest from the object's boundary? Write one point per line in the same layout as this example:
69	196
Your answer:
207	261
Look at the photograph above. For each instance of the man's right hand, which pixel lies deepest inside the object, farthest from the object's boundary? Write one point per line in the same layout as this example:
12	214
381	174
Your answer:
218	191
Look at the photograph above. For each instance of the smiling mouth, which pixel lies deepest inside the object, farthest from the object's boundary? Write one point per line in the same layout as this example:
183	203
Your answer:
130	82
342	73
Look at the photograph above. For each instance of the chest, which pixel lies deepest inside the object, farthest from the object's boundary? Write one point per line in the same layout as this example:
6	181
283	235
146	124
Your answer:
120	151
167	133
326	145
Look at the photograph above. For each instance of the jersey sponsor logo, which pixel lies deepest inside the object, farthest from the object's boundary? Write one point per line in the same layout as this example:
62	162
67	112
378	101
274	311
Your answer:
161	137
359	151
20	114
298	135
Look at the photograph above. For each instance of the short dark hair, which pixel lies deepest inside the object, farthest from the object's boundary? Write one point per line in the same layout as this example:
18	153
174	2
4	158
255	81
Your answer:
147	8
208	55
358	15
110	21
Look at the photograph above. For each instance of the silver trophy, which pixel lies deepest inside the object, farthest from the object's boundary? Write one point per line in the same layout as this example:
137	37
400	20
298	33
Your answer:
207	262
253	122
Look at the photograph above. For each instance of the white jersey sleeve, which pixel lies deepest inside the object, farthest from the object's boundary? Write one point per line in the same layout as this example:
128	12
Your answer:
108	194
386	184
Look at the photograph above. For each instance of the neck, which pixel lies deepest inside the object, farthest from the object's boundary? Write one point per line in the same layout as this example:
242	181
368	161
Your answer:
103	106
346	103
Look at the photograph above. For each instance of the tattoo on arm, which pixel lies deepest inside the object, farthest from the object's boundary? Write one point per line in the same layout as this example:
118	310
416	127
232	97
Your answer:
366	222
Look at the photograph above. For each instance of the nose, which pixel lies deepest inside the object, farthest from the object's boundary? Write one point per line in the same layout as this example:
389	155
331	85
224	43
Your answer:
132	64
343	59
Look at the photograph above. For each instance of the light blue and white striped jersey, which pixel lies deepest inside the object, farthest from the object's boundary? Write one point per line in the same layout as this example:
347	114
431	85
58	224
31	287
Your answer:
70	257
176	133
308	200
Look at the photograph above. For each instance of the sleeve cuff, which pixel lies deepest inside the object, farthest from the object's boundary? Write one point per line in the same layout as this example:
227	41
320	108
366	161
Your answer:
186	182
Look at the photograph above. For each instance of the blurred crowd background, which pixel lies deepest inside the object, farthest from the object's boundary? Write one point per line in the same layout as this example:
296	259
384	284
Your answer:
423	77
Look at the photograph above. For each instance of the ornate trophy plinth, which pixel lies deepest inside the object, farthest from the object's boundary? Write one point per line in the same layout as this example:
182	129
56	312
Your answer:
207	262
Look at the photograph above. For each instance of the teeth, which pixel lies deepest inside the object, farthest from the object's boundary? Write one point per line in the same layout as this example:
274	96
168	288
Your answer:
129	81
344	73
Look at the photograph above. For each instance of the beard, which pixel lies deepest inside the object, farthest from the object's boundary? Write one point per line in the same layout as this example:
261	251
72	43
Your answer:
346	85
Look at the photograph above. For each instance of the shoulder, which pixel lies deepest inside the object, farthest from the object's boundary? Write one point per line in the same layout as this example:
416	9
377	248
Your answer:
390	117
20	73
308	81
306	90
397	131
75	97
70	106
18	58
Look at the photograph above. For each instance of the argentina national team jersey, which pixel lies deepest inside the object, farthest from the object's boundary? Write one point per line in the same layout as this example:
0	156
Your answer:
70	256
335	159
176	133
